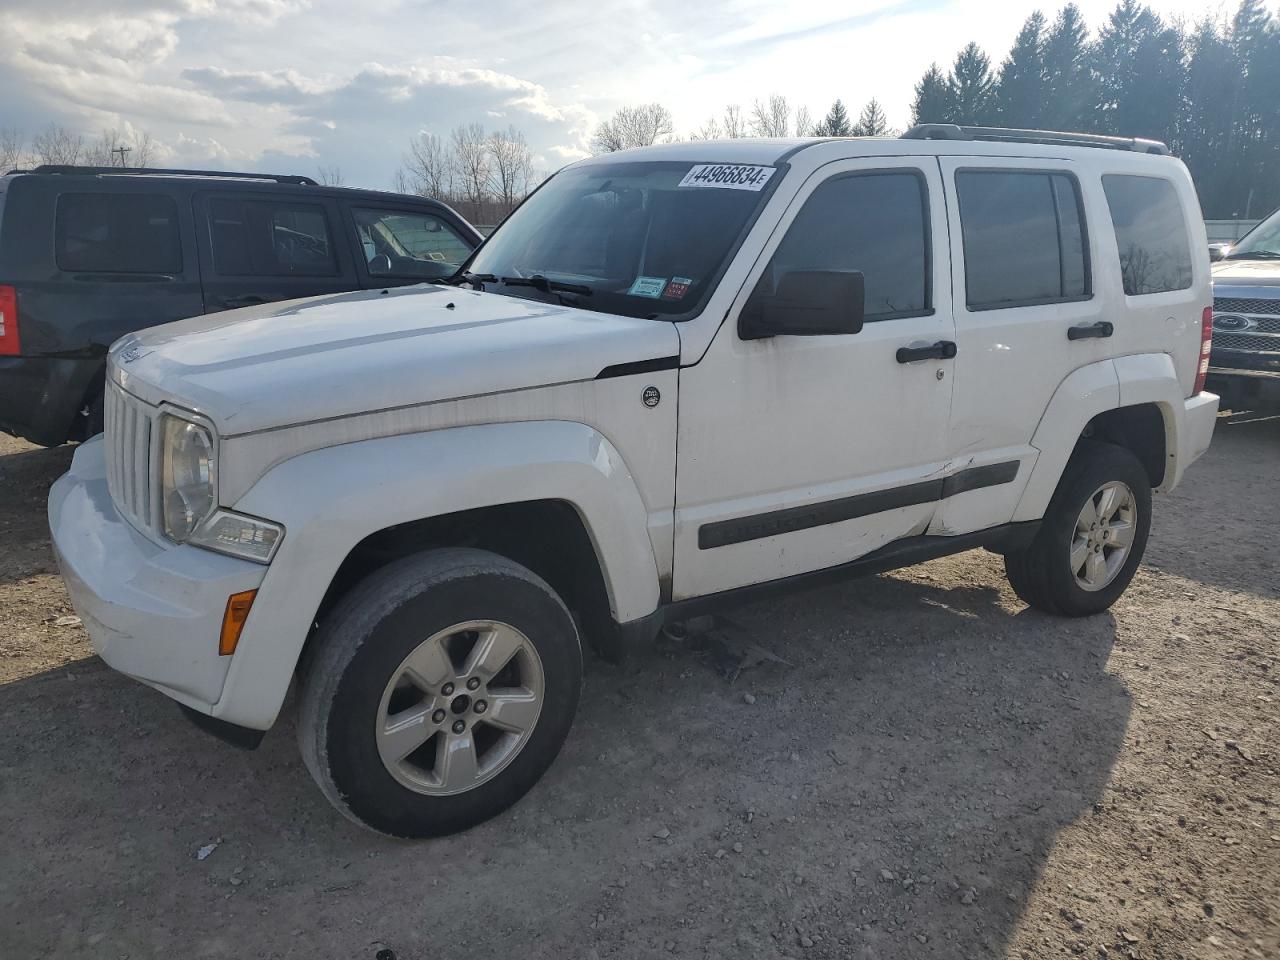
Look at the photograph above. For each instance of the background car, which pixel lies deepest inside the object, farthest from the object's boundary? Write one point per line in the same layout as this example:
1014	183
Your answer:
90	254
1244	368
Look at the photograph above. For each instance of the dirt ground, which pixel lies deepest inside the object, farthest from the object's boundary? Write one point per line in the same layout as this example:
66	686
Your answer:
940	772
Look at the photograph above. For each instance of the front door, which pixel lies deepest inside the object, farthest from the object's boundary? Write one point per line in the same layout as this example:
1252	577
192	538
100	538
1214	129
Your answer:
261	247
797	453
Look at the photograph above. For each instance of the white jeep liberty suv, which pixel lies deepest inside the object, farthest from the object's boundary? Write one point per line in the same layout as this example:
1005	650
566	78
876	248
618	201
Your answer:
673	378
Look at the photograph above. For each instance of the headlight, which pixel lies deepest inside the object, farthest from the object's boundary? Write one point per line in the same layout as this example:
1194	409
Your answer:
188	476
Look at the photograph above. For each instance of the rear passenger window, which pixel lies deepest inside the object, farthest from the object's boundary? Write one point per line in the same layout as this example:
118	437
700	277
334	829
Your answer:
117	233
1024	238
875	223
270	238
1151	234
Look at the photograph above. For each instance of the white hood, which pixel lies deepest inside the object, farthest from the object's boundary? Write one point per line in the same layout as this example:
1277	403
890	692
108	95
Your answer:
328	357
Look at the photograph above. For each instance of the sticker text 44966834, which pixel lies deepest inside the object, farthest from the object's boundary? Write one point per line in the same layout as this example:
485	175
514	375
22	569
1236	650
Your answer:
732	176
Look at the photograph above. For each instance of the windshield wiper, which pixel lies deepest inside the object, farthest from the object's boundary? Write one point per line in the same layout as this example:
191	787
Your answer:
1254	255
465	276
541	283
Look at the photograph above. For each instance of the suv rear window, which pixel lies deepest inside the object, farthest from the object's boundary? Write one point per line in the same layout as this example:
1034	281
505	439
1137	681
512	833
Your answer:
1151	234
270	238
1024	238
117	233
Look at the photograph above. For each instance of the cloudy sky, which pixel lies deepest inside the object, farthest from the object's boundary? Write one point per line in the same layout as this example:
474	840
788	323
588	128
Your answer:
288	85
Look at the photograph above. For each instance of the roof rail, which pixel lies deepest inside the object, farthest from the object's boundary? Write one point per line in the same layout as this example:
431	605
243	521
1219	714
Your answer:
951	131
56	168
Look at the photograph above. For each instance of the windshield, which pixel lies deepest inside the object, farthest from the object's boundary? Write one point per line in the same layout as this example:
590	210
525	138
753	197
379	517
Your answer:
1262	242
636	238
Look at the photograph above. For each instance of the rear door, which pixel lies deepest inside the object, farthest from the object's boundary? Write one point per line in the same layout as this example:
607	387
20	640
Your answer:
258	247
397	244
1027	314
123	259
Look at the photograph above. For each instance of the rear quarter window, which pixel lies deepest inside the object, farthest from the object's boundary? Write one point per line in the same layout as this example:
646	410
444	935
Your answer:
1151	234
117	233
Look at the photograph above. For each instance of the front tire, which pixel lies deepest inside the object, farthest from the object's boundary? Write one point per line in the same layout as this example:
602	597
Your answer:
441	689
1092	537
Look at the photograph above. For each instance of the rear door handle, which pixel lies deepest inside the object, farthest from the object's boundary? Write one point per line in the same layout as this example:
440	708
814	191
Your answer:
1103	328
942	350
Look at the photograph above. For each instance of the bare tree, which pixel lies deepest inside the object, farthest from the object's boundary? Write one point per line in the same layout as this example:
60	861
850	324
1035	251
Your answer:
804	123
330	176
640	126
58	145
428	167
133	148
771	119
12	149
512	166
708	131
735	128
473	165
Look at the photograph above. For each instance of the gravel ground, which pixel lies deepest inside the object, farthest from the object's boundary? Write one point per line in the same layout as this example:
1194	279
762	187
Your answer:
937	772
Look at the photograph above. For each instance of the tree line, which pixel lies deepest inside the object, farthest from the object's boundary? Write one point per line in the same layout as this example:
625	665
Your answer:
61	146
1211	92
483	174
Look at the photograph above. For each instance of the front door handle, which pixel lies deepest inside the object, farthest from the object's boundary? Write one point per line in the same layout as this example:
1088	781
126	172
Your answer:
1103	328
942	350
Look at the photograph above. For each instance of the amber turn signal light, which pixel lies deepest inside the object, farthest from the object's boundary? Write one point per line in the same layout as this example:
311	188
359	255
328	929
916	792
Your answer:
238	605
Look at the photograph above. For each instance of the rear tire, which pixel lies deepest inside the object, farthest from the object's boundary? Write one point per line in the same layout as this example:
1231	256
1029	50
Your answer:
439	691
1092	537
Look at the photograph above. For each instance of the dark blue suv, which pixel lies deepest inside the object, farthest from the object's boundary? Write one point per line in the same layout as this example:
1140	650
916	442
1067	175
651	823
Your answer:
90	254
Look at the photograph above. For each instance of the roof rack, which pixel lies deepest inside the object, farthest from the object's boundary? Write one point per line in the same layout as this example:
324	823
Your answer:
951	131
55	168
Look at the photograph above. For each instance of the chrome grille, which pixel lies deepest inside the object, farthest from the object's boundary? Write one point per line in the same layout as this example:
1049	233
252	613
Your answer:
1244	305
127	422
1245	341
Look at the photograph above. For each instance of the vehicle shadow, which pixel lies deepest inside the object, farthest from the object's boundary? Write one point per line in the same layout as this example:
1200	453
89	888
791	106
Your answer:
26	473
1194	524
893	793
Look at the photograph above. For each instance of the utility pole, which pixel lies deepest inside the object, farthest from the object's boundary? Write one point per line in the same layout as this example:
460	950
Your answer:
124	152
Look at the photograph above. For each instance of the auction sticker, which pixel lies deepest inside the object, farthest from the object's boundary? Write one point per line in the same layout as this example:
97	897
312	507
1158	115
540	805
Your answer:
651	287
677	288
731	176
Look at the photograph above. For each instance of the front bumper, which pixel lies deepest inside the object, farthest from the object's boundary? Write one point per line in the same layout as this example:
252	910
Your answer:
153	611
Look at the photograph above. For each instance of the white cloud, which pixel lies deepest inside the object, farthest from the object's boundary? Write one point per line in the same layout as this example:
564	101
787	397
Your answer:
278	82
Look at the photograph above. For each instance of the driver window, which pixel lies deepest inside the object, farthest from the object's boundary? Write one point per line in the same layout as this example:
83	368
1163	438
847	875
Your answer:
270	238
874	223
409	244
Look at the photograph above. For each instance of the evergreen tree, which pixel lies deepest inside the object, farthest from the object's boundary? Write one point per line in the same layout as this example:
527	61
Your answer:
1020	89
933	101
835	123
973	88
1212	76
872	122
1139	75
1254	141
1069	100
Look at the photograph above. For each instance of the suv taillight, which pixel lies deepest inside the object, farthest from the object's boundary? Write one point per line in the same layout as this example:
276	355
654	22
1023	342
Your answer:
8	321
1206	346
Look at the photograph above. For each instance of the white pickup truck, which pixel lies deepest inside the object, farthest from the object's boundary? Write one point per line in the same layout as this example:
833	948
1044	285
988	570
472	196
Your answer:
673	379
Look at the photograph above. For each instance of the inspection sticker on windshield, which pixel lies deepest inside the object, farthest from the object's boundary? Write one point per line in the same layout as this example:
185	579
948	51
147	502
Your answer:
732	176
651	287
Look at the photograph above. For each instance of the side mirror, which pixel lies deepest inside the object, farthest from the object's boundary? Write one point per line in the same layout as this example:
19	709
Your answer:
807	303
1218	251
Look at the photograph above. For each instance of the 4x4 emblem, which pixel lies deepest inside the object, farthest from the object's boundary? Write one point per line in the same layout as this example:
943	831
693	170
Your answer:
651	396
